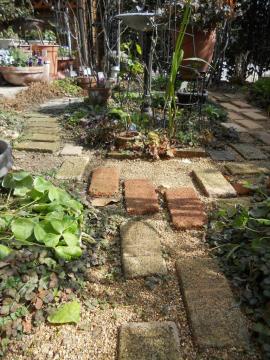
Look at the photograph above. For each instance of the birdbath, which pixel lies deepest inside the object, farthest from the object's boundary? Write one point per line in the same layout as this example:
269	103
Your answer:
143	22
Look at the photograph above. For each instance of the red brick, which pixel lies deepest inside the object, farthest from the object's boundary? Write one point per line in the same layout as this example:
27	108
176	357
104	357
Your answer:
189	152
241	189
141	197
104	182
186	209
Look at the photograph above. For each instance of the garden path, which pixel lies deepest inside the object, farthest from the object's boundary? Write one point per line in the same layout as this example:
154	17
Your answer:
172	301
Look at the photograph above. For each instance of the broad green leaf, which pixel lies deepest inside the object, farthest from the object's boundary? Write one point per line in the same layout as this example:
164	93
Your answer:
67	313
21	191
41	185
58	226
51	240
71	239
4	251
54	215
68	252
22	228
19	176
139	49
58	194
39	233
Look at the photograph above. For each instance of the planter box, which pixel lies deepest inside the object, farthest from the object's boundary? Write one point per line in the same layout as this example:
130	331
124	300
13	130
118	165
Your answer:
6	43
22	75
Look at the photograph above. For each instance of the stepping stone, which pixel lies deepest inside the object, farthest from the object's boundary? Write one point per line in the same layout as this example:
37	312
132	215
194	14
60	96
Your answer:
213	183
45	147
234	116
48	125
229	106
141	250
72	150
41	130
45	119
254	115
241	104
149	341
141	197
186	208
236	127
245	138
214	316
221	155
249	124
105	182
189	152
73	168
38	115
263	137
249	152
231	203
246	169
42	137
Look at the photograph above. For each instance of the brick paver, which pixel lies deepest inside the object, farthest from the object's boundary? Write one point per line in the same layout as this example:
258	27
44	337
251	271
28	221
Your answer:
105	182
246	169
213	183
249	151
236	127
249	124
254	115
263	137
149	341
140	197
230	107
186	208
240	103
221	155
141	250
215	317
189	152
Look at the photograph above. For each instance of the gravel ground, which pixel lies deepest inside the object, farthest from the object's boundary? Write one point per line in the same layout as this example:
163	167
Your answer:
108	300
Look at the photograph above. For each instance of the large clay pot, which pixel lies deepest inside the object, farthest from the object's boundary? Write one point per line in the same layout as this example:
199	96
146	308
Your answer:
99	96
5	158
87	82
199	44
64	63
50	52
22	75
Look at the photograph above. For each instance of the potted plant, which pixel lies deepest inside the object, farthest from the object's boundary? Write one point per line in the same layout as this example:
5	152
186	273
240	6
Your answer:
101	92
8	38
200	38
18	68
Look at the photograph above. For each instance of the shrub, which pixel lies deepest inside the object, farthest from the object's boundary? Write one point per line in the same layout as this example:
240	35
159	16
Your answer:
260	93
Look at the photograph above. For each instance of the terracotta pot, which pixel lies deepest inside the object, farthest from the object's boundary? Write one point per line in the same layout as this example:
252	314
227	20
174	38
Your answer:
99	96
87	82
22	75
5	158
49	52
63	63
201	45
125	138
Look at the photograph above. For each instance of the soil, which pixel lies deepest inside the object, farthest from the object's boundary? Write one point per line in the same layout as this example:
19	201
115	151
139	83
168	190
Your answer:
110	301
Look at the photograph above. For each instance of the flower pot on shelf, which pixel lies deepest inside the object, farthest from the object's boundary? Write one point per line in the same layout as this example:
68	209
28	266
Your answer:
22	75
7	43
99	95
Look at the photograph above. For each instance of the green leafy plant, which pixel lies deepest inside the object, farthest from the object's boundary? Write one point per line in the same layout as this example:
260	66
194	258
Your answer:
68	86
38	214
19	57
49	35
177	59
240	236
259	93
215	113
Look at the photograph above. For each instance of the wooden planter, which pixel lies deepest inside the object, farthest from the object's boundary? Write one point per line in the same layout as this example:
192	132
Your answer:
50	52
22	75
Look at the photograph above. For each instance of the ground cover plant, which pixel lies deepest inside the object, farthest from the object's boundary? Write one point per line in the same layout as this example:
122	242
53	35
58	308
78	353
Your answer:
259	93
239	237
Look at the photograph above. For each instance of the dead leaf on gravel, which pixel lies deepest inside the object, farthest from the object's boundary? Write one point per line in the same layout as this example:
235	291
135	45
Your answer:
38	304
101	202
